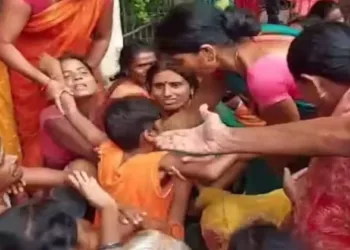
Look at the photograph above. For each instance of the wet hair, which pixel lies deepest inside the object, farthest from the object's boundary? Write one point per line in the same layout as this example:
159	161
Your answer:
190	78
322	8
322	50
305	22
190	25
71	56
155	240
127	118
45	222
128	54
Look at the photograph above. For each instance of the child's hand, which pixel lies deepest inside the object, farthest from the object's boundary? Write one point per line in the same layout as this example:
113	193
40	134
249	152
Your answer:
16	188
91	190
130	215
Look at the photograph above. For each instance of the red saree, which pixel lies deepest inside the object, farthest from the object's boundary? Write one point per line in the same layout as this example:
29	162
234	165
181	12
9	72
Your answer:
323	213
65	26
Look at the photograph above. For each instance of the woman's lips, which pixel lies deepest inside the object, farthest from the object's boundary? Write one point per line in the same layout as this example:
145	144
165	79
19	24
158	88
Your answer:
80	86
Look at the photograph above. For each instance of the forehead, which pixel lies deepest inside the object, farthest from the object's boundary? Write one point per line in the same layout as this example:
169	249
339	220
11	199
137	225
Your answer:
145	57
167	76
71	64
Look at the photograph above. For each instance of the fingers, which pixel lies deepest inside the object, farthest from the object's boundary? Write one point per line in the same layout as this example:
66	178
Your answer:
205	113
176	172
80	179
16	188
300	174
132	216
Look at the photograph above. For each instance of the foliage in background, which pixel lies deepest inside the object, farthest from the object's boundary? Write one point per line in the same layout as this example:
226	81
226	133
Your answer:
145	10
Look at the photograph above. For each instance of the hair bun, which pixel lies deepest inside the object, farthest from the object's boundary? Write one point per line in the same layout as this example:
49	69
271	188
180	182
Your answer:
240	23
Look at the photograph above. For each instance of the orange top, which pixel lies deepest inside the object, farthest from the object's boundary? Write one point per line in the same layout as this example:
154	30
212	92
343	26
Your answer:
136	182
65	26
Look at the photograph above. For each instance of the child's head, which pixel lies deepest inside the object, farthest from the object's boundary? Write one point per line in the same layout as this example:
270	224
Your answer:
78	75
154	240
129	122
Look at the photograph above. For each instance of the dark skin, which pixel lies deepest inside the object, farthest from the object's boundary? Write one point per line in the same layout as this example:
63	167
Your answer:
237	60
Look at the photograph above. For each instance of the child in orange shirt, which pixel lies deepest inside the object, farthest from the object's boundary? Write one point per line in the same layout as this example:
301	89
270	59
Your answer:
131	169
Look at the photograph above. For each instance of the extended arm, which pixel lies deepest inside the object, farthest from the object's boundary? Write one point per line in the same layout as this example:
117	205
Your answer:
101	36
316	137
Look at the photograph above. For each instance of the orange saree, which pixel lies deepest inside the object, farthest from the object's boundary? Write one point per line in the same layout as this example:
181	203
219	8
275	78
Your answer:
65	26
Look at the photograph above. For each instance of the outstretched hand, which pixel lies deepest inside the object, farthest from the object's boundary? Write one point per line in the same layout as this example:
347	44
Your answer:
91	190
211	137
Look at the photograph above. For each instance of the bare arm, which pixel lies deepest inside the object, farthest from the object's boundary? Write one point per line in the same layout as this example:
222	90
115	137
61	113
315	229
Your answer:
207	171
101	36
230	176
14	15
179	205
64	134
316	137
44	177
94	136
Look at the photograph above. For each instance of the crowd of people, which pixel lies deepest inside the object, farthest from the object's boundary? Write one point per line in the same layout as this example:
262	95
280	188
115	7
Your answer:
224	134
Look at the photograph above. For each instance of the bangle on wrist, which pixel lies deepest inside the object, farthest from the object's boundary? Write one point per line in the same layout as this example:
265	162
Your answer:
110	246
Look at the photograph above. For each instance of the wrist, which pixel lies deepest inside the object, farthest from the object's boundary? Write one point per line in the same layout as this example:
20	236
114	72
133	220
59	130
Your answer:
110	205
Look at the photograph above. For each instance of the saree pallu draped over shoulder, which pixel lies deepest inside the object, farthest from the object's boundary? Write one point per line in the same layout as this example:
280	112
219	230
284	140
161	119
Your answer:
65	26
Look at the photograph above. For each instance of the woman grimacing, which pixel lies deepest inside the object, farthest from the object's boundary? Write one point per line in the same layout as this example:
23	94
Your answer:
30	28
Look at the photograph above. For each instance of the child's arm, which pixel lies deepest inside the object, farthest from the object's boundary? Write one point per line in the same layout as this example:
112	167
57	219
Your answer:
94	135
177	213
45	177
208	171
230	176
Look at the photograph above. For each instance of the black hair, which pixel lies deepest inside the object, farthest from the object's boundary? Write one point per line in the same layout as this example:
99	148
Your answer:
305	22
128	54
10	241
127	118
190	78
322	8
45	222
322	50
72	56
190	25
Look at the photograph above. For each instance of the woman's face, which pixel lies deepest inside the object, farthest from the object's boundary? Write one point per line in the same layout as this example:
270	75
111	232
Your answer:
321	92
170	90
335	16
202	63
79	78
140	65
10	172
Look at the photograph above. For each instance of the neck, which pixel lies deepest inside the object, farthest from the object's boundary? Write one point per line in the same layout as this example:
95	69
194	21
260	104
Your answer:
85	105
230	60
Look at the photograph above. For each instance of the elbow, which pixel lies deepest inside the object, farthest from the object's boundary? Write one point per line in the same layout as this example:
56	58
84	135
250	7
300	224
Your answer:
210	174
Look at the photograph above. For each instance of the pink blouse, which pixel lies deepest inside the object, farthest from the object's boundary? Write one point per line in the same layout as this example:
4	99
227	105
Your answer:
38	5
269	81
54	155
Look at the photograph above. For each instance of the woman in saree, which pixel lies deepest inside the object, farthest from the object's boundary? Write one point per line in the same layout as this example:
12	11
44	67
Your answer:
29	28
135	60
60	141
321	204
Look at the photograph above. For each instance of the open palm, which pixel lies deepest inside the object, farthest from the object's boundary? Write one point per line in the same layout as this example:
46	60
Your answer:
208	138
